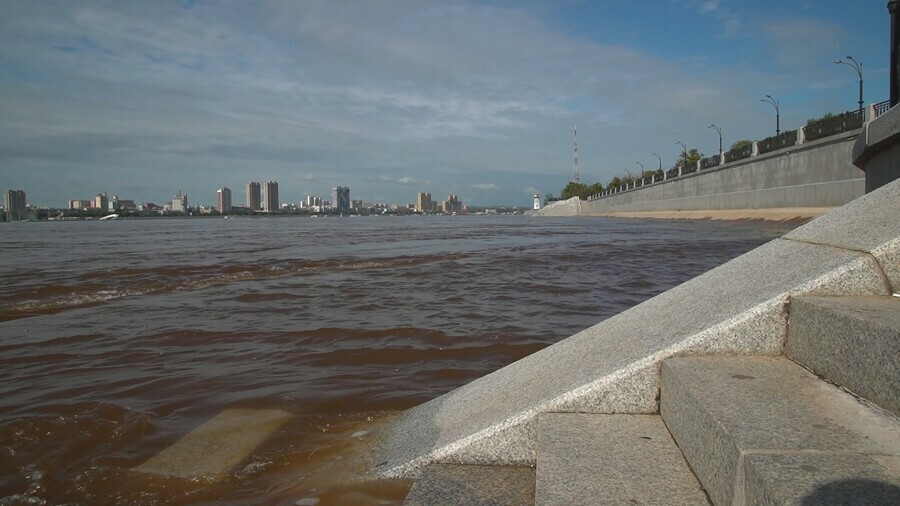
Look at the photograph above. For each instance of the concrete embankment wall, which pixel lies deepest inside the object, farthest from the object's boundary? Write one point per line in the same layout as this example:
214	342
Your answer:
815	174
613	367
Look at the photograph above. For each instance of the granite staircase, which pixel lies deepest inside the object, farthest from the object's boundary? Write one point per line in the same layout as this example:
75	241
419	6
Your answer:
815	425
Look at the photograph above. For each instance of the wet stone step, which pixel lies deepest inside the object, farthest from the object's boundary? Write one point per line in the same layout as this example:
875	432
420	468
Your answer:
449	484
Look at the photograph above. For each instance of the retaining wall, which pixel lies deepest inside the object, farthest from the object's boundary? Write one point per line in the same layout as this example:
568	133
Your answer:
814	174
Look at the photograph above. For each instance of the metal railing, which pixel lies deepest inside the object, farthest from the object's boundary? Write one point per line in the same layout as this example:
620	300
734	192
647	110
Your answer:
881	108
777	142
710	161
845	122
739	153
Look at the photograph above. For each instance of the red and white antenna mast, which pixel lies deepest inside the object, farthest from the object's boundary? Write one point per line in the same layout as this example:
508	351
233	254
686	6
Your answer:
577	176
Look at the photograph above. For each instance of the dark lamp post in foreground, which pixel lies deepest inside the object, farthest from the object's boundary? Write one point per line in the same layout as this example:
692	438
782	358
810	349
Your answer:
720	139
855	65
894	9
774	103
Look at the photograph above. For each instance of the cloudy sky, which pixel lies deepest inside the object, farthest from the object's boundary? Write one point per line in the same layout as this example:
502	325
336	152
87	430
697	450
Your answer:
476	98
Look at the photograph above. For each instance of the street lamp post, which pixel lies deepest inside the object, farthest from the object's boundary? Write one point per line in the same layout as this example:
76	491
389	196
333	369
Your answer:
894	9
642	172
857	66
774	103
660	165
684	149
720	139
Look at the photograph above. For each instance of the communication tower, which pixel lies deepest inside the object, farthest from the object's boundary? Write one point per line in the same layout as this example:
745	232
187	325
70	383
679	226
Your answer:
577	178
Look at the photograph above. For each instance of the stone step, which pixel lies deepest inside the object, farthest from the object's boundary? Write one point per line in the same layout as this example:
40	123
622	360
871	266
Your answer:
589	459
851	341
763	430
449	484
215	448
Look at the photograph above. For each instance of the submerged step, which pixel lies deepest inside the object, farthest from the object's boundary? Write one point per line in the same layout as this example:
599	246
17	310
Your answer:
449	484
739	419
611	459
213	449
851	341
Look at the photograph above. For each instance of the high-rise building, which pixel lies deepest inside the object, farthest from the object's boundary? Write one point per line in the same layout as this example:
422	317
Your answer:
101	201
452	204
180	203
14	204
254	202
311	202
80	204
423	202
341	199
271	197
118	204
223	200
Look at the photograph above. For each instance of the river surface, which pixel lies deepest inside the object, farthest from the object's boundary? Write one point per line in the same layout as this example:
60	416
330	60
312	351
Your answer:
117	338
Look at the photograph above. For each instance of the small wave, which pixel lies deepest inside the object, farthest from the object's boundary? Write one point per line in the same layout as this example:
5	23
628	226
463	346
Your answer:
51	299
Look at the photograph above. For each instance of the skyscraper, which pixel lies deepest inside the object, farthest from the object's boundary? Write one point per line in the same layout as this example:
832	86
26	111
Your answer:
452	204
223	200
14	204
423	202
101	201
271	194
253	199
341	199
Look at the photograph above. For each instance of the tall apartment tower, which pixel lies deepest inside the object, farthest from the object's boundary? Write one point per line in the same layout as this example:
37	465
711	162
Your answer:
423	202
223	200
14	204
101	201
254	202
341	199
451	205
271	197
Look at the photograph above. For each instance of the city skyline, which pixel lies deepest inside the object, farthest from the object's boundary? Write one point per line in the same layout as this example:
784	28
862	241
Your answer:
476	99
258	198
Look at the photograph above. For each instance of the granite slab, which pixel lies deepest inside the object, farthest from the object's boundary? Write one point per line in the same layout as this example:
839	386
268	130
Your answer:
611	459
722	410
215	448
447	484
851	341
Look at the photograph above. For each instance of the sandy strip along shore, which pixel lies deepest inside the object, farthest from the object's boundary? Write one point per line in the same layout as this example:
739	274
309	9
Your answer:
777	214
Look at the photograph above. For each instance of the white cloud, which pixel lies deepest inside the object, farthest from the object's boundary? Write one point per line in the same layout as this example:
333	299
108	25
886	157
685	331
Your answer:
295	90
709	6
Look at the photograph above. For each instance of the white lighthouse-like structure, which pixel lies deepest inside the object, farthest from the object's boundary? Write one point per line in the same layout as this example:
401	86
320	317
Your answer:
537	202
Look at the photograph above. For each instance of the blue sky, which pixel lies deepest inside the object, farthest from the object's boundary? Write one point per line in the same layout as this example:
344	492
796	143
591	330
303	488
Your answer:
478	98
